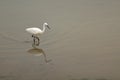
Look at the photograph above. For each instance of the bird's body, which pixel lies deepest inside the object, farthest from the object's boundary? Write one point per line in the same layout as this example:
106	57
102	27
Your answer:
34	30
37	31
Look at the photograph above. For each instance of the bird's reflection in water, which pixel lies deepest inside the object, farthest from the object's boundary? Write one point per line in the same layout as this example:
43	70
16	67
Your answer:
38	52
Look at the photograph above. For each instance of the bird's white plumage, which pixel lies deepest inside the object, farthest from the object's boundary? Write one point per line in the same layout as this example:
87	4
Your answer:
34	30
37	31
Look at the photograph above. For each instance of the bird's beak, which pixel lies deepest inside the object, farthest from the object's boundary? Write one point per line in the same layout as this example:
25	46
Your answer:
48	27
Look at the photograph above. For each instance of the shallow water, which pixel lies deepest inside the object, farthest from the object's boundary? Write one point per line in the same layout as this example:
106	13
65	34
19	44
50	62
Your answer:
83	43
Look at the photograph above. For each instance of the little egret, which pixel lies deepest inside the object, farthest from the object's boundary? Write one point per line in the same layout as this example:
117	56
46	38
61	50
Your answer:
37	31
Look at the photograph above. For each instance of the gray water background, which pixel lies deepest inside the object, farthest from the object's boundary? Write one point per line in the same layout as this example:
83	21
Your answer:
83	43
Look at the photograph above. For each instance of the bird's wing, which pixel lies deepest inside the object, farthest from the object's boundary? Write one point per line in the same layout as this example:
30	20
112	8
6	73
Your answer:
33	30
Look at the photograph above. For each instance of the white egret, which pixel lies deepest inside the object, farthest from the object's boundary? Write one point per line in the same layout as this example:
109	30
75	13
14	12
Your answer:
37	31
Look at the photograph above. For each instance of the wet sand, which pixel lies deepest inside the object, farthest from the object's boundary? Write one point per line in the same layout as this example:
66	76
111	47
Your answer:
83	43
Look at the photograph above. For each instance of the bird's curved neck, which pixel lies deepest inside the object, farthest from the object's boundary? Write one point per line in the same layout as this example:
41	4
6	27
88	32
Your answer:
43	27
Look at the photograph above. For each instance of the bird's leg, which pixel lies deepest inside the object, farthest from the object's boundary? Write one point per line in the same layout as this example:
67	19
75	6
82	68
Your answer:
33	39
32	35
38	40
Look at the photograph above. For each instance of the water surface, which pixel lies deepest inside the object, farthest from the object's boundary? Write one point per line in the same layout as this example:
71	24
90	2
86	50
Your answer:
83	43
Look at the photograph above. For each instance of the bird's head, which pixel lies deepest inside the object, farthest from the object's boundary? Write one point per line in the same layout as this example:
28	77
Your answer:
46	25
